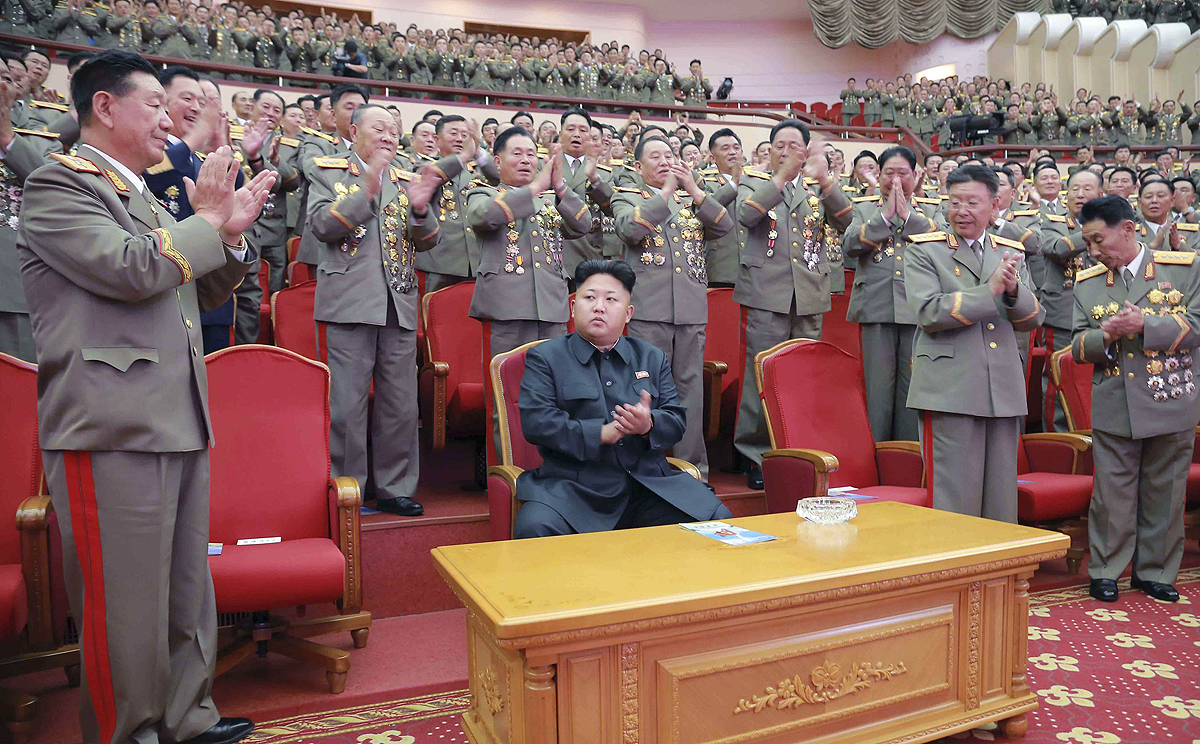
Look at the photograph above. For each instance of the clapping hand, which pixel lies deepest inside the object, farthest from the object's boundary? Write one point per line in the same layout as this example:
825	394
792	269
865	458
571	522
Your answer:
541	181
255	137
247	205
1125	323
376	167
1004	278
636	419
817	167
789	168
420	193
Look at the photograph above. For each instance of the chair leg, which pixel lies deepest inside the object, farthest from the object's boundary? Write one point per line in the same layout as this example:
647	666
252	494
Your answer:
18	712
334	661
235	653
359	637
72	672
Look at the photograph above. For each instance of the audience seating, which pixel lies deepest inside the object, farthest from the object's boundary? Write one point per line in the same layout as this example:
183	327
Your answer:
1054	486
723	361
298	273
451	380
836	330
292	321
516	454
820	435
286	493
293	247
264	308
1038	402
1072	386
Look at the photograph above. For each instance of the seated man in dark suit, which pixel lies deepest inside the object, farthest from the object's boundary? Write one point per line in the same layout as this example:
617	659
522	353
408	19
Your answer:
603	411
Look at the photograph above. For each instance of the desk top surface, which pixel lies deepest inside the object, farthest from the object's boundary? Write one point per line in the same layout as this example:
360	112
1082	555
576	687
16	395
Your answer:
521	588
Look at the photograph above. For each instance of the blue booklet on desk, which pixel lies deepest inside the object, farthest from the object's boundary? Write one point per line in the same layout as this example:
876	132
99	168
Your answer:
727	533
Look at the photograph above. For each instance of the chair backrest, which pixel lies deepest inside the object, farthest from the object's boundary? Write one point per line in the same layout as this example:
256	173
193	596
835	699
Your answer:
799	106
298	273
1074	384
293	247
292	321
858	120
20	457
451	335
842	333
812	394
269	470
819	109
264	277
571	313
723	334
506	370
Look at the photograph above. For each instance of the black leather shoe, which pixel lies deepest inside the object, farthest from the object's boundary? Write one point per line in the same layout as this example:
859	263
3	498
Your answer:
754	479
1158	590
224	731
403	506
1104	590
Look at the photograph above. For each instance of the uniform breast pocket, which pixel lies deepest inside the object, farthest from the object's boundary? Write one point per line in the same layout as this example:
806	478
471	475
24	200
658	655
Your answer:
577	393
332	268
120	358
935	350
648	386
752	257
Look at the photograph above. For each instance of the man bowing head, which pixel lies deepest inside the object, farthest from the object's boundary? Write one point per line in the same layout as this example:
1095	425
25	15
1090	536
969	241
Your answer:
602	409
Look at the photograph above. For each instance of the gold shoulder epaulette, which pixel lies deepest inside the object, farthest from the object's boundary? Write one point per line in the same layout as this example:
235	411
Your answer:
1189	226
710	171
1056	217
616	161
809	181
325	162
627	190
36	133
163	166
399	174
603	167
754	173
865	198
928	237
1008	242
76	163
1178	258
927	200
239	128
322	135
476	183
1096	270
1025	213
46	104
289	141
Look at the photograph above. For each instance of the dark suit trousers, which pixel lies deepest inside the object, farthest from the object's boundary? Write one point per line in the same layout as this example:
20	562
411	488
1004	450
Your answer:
358	354
1136	515
684	347
248	296
645	509
16	336
135	558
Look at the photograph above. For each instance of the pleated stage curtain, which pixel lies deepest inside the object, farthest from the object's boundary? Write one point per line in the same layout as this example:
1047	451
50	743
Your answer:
877	23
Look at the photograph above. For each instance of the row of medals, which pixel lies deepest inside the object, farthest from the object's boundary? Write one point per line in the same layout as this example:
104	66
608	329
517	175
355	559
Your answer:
550	223
812	250
1179	378
691	231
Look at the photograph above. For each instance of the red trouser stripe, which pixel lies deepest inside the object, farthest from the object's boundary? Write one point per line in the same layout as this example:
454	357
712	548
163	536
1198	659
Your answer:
493	457
85	524
927	451
742	345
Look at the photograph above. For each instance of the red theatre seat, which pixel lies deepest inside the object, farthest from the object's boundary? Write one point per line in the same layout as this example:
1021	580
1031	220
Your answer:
722	362
800	106
293	247
836	330
1040	403
451	380
858	120
820	110
292	318
264	308
835	113
516	454
298	273
820	435
286	494
1053	488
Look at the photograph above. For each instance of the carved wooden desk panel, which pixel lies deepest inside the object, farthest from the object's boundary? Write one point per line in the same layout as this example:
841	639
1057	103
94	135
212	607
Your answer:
904	625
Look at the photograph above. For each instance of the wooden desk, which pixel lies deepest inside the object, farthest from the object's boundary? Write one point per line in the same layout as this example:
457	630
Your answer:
903	625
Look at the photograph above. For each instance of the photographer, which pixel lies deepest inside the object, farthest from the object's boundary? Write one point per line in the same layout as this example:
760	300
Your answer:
351	63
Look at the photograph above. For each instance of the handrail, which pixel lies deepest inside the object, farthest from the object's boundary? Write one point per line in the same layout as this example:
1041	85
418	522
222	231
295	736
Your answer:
1065	150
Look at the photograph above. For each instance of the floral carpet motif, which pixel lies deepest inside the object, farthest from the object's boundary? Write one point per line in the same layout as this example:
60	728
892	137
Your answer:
1121	673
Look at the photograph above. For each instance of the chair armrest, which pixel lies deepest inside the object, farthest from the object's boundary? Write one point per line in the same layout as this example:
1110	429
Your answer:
793	474
435	401
502	500
900	463
33	523
685	466
1055	452
346	497
716	388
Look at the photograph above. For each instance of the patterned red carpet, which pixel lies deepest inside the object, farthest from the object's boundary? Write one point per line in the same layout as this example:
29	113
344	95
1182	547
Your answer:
1125	673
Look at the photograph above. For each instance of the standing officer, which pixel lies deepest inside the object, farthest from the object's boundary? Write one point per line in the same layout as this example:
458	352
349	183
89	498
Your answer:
721	258
783	283
115	286
878	238
1136	319
851	101
967	290
371	219
22	151
585	177
456	256
343	101
665	234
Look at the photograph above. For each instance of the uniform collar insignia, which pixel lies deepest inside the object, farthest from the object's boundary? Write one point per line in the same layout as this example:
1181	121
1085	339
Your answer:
116	181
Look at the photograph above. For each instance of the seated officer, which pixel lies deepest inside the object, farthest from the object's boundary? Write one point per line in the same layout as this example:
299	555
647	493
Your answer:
603	411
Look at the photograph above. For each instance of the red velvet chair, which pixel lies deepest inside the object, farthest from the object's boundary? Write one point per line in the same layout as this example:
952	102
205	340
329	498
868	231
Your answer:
292	320
812	393
835	113
800	106
293	247
820	110
1054	487
451	380
516	454
858	120
298	273
836	330
33	600
1040	403
283	491
722	363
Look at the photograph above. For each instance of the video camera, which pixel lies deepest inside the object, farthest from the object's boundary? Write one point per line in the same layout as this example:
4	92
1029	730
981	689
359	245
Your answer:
968	129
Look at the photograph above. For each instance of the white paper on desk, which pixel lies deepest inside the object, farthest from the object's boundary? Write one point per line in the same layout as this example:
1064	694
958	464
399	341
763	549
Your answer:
726	533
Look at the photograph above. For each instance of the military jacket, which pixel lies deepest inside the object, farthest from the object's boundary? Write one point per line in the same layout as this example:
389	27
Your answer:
601	240
122	32
877	247
1066	256
1165	129
24	17
965	356
521	238
1143	385
75	26
369	245
722	254
1189	232
664	238
313	144
27	152
851	100
1125	130
457	253
783	258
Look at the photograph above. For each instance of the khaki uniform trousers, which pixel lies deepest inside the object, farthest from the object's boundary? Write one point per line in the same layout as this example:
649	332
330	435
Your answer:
887	371
973	463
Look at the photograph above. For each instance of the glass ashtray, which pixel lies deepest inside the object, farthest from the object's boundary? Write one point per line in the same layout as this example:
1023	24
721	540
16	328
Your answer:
827	509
